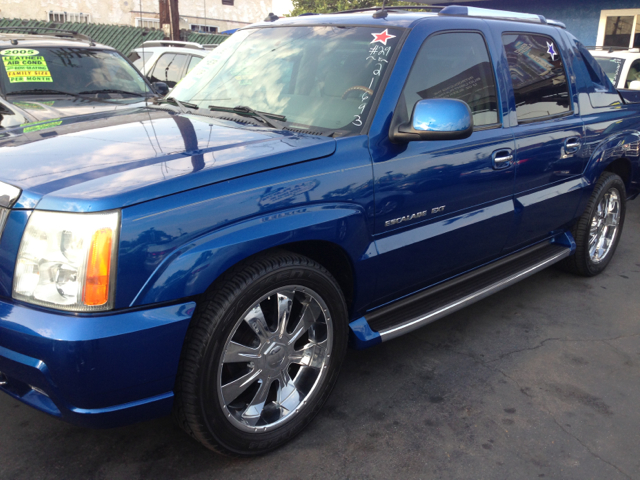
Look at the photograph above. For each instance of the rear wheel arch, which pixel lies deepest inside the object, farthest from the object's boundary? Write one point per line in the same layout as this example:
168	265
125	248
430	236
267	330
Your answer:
622	168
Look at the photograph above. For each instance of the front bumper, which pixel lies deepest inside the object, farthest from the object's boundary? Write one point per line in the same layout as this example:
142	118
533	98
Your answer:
95	371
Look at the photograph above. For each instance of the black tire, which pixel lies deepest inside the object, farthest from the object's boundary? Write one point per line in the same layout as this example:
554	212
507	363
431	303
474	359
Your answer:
200	407
582	262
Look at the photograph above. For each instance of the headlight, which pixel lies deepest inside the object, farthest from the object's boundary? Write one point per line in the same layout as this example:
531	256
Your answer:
67	261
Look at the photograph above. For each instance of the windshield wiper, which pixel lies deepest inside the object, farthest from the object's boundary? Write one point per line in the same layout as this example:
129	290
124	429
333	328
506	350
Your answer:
111	90
180	104
267	118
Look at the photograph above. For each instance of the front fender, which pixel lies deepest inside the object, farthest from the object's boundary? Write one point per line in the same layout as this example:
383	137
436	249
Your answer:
191	269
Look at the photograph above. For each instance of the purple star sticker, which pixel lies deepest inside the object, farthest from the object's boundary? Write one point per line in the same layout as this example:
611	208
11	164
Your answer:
551	51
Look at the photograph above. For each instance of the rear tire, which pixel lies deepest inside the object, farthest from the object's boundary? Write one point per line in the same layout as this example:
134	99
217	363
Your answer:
262	355
597	232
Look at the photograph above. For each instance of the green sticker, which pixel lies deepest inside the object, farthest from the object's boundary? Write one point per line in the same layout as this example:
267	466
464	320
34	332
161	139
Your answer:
42	126
26	68
19	52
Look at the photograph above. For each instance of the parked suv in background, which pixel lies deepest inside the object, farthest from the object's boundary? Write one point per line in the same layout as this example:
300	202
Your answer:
168	61
60	73
313	182
621	65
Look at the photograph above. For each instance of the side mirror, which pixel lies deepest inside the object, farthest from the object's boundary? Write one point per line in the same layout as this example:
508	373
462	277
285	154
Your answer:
635	85
435	119
161	88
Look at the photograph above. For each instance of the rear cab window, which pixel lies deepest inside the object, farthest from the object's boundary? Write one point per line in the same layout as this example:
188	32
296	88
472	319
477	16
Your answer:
538	76
601	91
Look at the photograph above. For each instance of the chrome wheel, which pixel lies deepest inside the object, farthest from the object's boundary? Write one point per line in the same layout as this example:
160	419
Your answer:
604	226
275	358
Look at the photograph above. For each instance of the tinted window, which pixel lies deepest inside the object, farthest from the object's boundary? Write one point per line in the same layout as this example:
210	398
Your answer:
453	65
538	76
168	69
193	62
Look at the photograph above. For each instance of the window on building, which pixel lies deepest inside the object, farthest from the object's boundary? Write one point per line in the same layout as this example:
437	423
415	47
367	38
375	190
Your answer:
62	17
168	68
203	28
454	65
538	76
147	22
618	31
619	28
227	2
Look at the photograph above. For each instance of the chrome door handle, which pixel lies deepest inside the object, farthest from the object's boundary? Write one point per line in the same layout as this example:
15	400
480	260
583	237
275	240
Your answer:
502	158
505	159
572	144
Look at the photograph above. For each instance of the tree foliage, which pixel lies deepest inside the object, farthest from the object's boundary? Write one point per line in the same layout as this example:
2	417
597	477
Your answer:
328	6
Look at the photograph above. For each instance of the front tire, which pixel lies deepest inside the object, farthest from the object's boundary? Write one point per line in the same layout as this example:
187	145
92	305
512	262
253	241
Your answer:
598	230
262	355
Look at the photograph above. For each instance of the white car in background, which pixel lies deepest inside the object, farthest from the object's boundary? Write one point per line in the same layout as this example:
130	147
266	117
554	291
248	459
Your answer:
168	61
621	65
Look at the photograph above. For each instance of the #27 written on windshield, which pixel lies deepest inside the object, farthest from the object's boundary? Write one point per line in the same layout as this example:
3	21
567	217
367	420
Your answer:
25	65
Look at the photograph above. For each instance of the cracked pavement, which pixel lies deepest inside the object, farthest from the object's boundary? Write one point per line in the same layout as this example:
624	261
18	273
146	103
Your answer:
541	380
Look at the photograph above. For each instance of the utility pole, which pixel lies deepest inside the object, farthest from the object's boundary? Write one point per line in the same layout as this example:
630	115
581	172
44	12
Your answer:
169	15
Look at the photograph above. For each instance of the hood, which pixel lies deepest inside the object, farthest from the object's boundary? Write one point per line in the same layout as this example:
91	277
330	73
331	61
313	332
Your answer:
103	162
52	108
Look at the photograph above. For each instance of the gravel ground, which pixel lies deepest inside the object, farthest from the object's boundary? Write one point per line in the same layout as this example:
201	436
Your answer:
541	380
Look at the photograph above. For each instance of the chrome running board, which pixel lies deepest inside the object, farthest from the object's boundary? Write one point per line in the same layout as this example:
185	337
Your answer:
430	305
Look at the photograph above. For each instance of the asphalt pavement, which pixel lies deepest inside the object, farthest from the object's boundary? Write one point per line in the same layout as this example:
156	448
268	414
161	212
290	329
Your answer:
541	380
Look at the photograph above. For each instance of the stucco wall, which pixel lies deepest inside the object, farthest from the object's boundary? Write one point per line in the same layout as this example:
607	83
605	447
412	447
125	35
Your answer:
580	16
124	12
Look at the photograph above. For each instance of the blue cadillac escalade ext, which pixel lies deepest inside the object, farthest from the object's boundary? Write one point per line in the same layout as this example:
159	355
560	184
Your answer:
314	182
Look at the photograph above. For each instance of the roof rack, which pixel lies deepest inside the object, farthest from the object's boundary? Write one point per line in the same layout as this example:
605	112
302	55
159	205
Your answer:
434	8
173	43
55	32
456	10
613	49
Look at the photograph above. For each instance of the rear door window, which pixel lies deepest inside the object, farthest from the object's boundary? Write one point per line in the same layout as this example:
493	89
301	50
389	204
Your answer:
169	68
538	76
454	65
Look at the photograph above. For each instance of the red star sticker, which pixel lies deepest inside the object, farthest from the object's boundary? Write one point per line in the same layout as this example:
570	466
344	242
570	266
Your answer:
382	37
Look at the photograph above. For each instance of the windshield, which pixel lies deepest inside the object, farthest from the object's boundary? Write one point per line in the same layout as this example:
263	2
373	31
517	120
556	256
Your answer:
67	69
319	79
612	67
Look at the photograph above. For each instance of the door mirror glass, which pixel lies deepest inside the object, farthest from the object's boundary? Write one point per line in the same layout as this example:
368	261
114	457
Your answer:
635	85
161	88
437	119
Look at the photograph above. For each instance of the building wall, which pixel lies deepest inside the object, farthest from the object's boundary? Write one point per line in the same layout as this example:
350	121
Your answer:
124	12
581	16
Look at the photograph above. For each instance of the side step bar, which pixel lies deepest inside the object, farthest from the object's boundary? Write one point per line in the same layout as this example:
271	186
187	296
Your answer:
434	303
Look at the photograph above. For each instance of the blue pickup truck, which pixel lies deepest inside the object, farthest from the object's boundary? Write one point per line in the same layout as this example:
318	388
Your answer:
314	183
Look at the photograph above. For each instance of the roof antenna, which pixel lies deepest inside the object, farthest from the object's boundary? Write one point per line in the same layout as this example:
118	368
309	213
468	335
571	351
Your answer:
382	13
144	60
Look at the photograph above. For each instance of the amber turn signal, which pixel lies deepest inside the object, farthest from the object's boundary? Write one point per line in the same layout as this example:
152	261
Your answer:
96	287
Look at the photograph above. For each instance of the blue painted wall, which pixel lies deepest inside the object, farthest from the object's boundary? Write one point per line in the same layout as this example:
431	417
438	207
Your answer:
580	16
